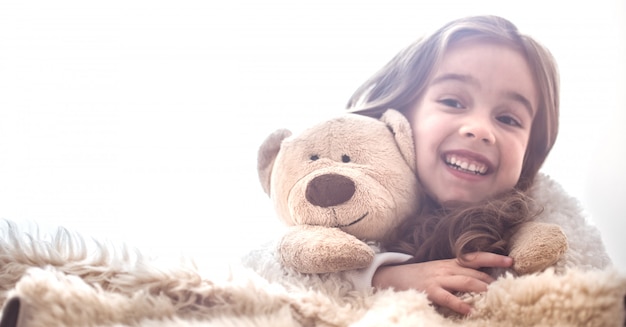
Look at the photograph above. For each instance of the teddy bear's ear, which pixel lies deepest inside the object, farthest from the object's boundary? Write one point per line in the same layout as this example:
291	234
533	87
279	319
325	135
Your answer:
401	129
267	155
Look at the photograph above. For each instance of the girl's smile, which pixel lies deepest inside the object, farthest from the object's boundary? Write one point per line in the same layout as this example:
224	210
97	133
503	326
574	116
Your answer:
467	162
473	122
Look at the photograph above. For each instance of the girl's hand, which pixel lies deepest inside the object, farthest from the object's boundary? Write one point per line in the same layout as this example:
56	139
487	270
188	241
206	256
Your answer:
440	278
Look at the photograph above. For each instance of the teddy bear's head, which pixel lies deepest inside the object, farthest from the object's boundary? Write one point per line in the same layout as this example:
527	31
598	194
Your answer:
352	172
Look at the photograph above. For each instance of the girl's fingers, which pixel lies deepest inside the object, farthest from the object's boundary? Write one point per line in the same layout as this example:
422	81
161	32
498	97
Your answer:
444	296
477	260
441	279
462	283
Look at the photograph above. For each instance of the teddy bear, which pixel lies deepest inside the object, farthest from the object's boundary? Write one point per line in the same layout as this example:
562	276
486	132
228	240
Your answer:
347	182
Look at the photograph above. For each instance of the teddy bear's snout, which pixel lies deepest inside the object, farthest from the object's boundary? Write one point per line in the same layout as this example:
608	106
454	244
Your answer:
329	190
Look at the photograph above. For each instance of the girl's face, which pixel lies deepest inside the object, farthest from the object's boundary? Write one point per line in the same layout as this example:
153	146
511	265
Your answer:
472	124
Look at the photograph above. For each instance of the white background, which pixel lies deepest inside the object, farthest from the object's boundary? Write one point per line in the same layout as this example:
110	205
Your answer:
139	121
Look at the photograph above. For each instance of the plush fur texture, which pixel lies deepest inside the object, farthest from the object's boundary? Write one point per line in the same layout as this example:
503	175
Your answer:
54	281
535	246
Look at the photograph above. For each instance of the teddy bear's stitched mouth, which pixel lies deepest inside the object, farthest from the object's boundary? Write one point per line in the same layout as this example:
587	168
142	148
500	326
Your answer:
354	222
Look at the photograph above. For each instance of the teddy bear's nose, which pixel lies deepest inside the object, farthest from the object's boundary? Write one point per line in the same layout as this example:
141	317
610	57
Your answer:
329	190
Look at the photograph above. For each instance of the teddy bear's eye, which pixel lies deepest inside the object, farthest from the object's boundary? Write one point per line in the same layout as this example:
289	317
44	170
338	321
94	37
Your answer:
314	157
345	158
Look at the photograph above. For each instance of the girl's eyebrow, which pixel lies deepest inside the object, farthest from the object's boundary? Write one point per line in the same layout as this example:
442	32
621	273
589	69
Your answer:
512	95
455	77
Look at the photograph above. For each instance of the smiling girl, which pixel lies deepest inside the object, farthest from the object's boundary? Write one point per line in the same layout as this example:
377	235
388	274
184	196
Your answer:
483	103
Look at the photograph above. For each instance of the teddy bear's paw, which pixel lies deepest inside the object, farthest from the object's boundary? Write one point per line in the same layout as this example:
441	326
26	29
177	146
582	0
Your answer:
318	249
537	246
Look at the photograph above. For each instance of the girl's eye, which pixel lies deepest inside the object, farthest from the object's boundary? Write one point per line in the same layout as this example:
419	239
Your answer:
508	120
452	103
314	157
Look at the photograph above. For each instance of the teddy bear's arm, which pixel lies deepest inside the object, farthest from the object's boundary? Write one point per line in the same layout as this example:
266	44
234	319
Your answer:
536	246
319	249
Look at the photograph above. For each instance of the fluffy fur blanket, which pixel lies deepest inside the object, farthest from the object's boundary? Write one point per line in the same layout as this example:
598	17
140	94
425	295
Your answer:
54	281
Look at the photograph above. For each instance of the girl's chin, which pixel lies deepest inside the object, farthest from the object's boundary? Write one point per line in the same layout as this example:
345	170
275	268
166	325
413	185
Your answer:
456	200
454	203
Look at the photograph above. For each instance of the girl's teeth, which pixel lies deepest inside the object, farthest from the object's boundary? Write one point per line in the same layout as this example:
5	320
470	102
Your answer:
462	164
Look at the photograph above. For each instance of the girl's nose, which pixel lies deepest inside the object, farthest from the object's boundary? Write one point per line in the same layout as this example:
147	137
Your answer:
478	130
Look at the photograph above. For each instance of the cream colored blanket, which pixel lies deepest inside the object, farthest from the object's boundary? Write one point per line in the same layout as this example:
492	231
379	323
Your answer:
54	281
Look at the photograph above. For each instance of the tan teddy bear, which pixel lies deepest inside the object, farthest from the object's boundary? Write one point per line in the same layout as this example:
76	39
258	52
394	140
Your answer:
351	180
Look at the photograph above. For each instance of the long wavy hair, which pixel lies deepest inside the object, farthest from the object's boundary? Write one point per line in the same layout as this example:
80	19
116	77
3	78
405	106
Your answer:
457	229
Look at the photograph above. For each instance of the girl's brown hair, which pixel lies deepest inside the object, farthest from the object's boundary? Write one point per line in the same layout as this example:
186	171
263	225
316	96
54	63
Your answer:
448	232
452	231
